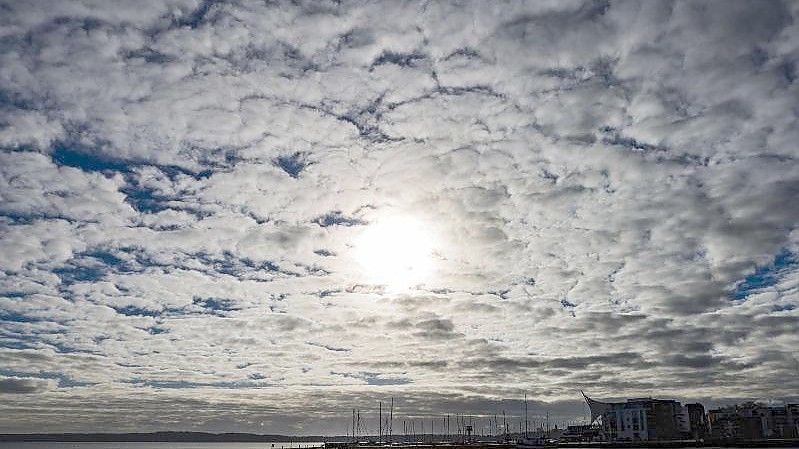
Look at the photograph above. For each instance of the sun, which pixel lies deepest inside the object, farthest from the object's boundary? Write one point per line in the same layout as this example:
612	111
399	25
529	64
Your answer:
396	252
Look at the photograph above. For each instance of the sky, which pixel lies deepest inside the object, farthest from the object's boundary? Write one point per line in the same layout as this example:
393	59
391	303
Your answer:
257	216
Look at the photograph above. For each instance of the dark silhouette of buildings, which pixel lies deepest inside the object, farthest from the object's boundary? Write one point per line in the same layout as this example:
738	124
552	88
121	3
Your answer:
697	420
647	419
641	419
754	421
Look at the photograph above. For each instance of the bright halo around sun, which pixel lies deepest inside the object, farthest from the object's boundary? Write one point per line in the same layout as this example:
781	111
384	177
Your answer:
396	252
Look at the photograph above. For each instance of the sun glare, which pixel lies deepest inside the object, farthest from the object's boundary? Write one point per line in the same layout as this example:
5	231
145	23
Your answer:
396	252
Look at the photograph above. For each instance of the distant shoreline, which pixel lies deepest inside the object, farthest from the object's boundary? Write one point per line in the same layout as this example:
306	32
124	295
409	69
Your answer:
159	437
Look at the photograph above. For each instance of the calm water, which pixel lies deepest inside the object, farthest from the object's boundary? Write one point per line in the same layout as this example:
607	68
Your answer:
158	445
186	446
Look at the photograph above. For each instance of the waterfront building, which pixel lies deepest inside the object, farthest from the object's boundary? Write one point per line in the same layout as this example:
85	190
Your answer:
697	420
754	421
641	419
793	420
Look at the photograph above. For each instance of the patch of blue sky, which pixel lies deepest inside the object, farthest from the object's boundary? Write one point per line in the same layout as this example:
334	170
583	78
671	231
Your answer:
232	265
64	381
136	311
15	317
156	330
15	100
216	304
65	155
71	274
183	384
13	294
767	276
79	157
108	258
337	218
292	164
783	307
15	344
142	199
94	265
372	378
16	217
21	332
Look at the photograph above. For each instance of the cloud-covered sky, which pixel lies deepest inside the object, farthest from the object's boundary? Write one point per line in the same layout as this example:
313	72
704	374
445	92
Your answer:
607	192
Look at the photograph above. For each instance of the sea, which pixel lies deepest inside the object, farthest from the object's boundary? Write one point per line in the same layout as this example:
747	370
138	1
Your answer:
50	445
54	445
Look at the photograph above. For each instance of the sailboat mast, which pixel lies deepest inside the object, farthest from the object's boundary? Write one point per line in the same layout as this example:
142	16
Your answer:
504	425
525	415
547	423
391	421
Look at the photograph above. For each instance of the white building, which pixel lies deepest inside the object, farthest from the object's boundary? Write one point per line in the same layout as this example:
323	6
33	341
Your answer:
642	419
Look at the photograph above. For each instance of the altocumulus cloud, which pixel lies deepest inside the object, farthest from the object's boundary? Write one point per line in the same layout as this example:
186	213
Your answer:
613	186
24	385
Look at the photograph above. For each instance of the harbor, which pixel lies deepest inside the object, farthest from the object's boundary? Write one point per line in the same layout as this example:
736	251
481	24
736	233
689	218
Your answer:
634	423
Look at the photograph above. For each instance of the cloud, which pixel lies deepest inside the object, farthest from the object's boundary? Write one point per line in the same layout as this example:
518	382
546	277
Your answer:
608	186
25	385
